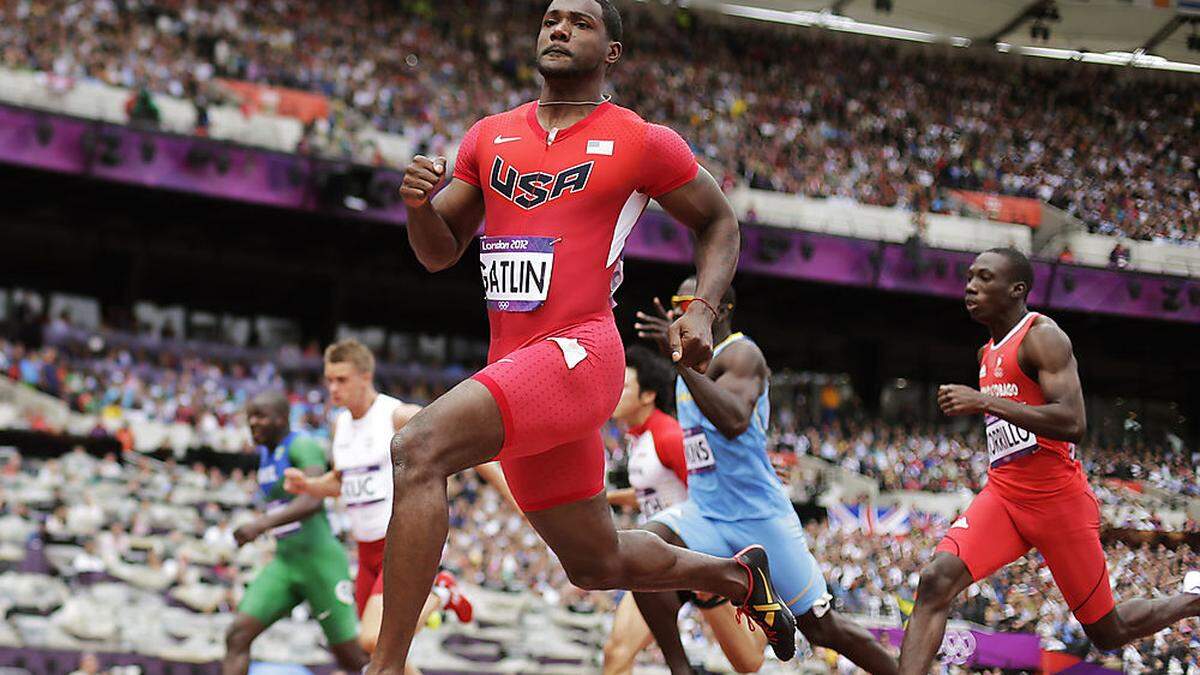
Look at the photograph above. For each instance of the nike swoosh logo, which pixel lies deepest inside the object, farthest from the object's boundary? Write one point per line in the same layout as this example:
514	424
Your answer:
501	140
506	361
322	615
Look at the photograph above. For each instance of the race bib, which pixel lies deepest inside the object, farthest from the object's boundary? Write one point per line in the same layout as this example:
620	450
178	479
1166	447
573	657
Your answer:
649	502
696	450
363	485
516	272
287	528
1007	441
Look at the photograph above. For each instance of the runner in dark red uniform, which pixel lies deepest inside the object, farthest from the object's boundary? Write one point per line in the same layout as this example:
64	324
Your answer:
562	181
1036	495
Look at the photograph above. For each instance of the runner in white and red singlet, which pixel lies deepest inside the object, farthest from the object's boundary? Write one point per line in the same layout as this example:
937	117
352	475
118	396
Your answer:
362	476
561	181
1036	494
658	480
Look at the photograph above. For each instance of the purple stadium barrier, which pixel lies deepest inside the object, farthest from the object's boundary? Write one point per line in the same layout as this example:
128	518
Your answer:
976	649
290	181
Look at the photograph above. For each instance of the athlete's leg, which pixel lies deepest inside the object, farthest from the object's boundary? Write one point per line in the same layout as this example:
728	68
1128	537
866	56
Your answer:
461	429
1139	618
745	649
324	581
372	618
597	557
981	541
834	631
1067	533
801	586
270	597
349	655
368	594
529	401
630	635
661	610
238	638
941	581
562	493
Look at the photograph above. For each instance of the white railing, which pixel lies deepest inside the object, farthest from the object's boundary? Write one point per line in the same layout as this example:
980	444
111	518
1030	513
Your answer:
1145	256
880	223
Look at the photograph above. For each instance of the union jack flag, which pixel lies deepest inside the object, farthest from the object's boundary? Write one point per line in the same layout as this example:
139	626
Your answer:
870	519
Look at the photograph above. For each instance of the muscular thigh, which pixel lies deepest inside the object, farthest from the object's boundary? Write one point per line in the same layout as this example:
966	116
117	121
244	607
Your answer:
985	537
273	593
1066	531
566	473
461	429
629	628
580	532
794	571
557	390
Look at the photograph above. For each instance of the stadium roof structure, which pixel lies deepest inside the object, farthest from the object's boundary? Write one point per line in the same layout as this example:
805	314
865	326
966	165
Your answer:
1158	34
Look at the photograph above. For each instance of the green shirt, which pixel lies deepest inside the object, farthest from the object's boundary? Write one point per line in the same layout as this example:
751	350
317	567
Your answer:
299	451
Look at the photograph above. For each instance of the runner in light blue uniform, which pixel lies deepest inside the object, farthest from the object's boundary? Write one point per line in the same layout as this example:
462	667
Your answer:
735	499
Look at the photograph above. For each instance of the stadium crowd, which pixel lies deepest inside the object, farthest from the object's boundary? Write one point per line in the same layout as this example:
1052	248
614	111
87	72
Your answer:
936	458
169	528
775	109
107	508
174	385
119	385
873	574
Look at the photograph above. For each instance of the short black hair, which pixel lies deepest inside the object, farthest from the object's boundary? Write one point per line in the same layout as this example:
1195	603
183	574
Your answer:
654	374
612	20
273	402
1020	269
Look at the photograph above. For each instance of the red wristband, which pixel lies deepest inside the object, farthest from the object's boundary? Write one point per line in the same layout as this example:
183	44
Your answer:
706	304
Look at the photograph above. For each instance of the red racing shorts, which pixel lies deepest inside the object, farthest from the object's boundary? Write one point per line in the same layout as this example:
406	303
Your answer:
554	396
994	531
370	573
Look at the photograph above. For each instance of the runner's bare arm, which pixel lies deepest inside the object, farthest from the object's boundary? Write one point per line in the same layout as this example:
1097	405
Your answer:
1046	349
702	207
441	228
328	484
298	509
728	401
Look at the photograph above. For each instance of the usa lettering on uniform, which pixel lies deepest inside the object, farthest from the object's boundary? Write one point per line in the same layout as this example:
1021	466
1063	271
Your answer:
531	190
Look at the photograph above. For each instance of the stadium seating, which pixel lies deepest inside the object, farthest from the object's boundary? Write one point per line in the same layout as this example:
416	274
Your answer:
808	117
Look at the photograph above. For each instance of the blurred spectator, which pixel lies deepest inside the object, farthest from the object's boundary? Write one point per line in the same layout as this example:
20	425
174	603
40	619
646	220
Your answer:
142	110
1119	257
88	665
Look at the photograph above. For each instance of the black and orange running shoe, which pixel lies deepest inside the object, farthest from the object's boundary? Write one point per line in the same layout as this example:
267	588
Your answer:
764	607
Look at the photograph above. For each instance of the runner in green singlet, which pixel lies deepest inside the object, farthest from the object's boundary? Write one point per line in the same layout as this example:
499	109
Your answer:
310	563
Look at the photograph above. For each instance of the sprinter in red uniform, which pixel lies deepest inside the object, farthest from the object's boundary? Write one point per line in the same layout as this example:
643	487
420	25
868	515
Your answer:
561	181
1036	494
